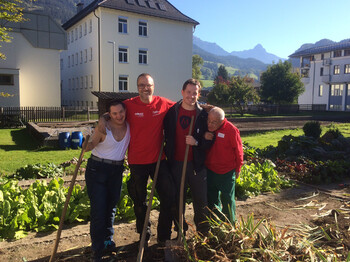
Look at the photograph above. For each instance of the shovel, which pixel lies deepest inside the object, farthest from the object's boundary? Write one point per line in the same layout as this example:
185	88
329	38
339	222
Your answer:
143	235
67	199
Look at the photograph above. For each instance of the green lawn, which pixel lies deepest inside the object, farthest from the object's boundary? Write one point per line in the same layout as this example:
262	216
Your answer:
18	148
262	140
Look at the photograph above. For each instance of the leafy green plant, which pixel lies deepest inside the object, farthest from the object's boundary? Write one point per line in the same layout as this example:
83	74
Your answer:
260	177
313	129
38	171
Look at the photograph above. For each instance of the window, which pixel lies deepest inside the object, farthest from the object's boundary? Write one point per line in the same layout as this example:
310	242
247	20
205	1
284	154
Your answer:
90	26
337	90
322	56
69	61
92	104
68	38
90	53
81	57
86	81
72	36
347	52
6	80
320	90
73	84
337	53
336	70
347	69
69	84
85	60
142	56
72	57
76	58
76	33
80	31
321	71
122	25
77	82
123	83
61	63
142	28
81	82
123	55
348	92
91	82
85	28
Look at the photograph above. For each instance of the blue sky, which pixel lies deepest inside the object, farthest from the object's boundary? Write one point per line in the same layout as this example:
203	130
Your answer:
280	26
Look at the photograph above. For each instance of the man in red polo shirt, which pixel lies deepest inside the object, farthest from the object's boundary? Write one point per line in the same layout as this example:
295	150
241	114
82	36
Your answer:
145	114
223	162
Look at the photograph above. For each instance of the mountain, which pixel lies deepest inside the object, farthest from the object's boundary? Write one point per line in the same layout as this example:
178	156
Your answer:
209	47
59	10
322	42
259	53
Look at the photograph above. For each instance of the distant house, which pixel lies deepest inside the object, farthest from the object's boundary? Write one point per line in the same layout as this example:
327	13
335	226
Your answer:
31	72
325	73
111	42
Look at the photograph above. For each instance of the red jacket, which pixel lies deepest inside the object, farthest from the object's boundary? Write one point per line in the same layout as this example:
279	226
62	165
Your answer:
226	153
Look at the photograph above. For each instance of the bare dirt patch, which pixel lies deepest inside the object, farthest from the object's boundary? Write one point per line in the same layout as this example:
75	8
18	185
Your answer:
302	205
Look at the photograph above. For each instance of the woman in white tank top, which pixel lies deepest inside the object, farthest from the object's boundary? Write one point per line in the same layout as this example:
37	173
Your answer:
103	176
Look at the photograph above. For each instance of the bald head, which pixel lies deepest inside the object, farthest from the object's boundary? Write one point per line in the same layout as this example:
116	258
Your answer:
216	117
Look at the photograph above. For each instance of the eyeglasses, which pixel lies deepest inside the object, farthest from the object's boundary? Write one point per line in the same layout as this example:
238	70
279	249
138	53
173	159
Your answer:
143	86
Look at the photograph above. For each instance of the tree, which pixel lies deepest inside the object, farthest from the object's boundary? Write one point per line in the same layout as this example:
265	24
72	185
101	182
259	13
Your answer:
241	93
237	92
219	95
197	62
10	11
222	72
279	85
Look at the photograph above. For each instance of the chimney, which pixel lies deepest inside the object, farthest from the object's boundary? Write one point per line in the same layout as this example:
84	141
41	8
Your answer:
80	6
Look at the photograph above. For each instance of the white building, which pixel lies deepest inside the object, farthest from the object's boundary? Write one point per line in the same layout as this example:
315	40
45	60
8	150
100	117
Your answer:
325	73
31	72
111	42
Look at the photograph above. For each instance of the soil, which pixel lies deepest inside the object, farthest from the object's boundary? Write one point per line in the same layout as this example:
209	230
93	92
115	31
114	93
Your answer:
305	204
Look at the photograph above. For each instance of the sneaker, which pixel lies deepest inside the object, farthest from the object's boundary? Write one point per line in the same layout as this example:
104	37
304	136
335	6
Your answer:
96	257
109	247
147	238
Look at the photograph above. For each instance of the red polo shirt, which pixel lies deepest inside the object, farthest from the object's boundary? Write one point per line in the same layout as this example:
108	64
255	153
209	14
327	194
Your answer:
146	128
226	153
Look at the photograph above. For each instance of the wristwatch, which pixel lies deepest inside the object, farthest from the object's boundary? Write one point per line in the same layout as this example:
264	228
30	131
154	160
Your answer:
196	143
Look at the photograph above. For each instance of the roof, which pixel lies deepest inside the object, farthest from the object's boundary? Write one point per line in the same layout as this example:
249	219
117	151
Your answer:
114	95
322	49
156	8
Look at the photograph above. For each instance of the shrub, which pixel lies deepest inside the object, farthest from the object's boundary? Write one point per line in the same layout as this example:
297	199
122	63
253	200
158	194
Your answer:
313	129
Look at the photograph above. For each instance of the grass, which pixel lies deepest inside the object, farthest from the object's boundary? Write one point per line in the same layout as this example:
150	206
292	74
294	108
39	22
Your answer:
18	148
262	140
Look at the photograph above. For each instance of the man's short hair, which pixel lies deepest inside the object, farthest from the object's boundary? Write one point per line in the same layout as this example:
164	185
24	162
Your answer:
115	103
143	75
191	81
219	113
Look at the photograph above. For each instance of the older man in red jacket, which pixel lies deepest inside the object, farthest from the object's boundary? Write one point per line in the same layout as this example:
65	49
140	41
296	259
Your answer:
223	162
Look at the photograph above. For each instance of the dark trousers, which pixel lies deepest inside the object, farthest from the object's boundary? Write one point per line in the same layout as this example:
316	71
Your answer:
221	194
197	182
137	188
103	183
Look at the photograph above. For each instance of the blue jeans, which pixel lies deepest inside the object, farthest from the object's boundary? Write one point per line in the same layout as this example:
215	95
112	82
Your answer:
103	183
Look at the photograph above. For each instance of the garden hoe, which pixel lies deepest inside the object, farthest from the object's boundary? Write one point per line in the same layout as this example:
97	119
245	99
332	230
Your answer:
143	235
68	198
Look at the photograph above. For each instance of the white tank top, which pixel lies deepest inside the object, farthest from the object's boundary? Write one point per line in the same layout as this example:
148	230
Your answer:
112	149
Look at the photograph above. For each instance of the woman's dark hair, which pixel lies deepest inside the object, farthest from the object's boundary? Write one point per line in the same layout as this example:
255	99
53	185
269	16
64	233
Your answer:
115	103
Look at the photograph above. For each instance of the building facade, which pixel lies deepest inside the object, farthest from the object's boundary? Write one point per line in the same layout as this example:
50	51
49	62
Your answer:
111	42
30	74
325	72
